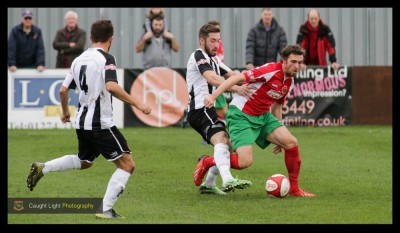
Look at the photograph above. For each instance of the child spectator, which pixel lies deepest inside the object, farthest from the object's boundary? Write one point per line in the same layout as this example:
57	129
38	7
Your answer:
153	12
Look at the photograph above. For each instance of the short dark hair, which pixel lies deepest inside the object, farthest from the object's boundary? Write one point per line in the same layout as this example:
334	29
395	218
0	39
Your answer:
101	30
207	29
156	17
214	22
293	49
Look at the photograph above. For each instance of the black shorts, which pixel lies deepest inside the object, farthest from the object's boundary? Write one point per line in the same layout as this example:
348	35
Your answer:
108	142
205	122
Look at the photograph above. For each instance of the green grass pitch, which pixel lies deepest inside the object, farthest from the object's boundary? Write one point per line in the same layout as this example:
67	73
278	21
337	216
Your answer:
348	168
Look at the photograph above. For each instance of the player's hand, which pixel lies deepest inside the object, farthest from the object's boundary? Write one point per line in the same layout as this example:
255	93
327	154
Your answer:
209	101
145	109
277	149
247	91
65	117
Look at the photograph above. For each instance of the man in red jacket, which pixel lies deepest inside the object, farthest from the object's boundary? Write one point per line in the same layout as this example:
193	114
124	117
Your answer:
317	39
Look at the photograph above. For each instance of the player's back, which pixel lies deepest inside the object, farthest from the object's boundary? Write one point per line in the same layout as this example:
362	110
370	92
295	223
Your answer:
88	71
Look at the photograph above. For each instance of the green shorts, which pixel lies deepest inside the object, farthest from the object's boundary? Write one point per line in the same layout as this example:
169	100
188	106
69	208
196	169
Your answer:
245	129
220	102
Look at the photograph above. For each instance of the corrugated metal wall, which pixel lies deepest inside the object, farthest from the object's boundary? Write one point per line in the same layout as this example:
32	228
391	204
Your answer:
363	35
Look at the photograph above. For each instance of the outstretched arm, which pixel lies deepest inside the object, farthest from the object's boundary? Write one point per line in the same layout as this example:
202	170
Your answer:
122	95
209	100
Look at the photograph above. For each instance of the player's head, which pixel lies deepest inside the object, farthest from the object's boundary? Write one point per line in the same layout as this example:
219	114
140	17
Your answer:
102	31
292	58
209	37
215	23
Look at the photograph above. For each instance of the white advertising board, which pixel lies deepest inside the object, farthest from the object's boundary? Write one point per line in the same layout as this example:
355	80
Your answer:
34	100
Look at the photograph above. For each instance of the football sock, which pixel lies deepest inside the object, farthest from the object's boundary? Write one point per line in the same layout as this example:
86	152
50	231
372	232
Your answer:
209	162
212	174
115	187
65	163
222	160
235	161
293	163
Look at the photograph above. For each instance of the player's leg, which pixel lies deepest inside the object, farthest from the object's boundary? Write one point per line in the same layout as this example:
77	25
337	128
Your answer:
65	163
282	137
221	107
116	185
114	147
201	122
243	131
209	185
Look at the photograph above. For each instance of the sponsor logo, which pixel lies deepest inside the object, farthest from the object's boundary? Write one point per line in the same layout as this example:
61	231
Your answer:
165	91
274	94
37	92
284	90
110	67
114	154
201	61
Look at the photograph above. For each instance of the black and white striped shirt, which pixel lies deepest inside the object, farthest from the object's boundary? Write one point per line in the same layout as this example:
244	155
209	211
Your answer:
197	85
90	71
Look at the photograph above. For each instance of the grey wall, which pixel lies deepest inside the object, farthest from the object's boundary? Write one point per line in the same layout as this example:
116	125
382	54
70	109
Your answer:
363	35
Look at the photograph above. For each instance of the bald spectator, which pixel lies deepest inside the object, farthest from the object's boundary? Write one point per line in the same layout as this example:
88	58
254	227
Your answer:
264	41
25	45
317	39
69	41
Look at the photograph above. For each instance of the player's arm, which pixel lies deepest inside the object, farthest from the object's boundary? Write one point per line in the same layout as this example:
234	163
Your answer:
230	82
65	117
122	95
276	110
67	84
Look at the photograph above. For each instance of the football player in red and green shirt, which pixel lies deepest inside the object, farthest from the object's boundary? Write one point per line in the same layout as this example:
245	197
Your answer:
258	118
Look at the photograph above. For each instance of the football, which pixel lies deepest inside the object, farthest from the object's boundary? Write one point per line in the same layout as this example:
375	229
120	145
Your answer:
277	186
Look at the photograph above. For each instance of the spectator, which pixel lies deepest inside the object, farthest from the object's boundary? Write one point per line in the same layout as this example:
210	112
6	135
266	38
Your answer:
317	39
264	41
156	45
25	45
69	41
153	12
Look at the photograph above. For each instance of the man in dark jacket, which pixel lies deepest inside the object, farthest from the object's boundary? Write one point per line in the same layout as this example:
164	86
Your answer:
264	41
317	39
25	45
69	41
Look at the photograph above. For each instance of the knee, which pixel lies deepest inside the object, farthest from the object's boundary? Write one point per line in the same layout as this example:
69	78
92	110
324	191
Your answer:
245	163
129	166
291	142
85	165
